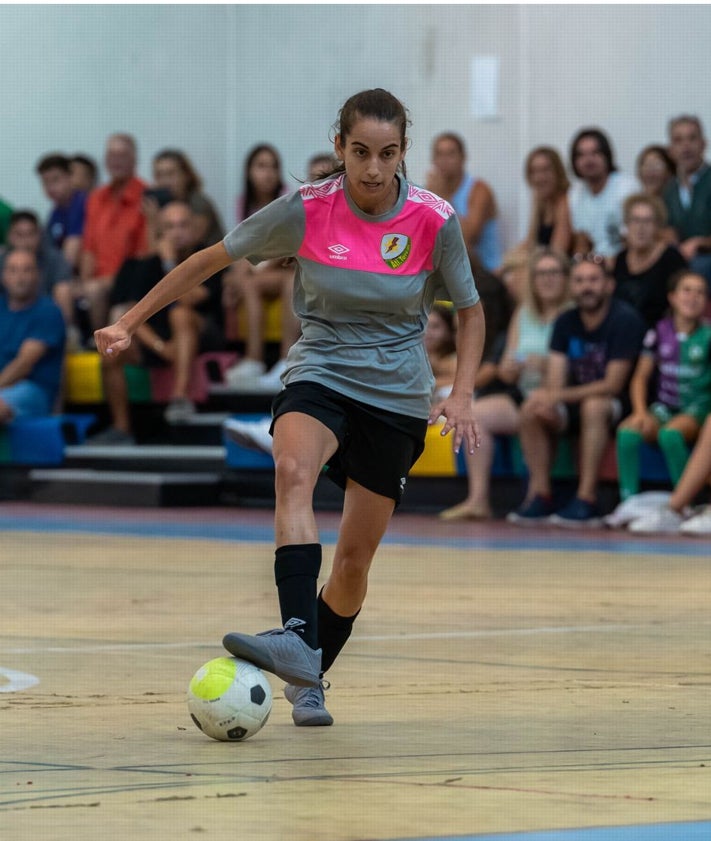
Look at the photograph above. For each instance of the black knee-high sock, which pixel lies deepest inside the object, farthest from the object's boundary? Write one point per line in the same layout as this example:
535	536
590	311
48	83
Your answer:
296	569
333	632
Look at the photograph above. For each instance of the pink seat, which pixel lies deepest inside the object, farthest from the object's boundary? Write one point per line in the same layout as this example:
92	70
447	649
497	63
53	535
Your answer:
162	378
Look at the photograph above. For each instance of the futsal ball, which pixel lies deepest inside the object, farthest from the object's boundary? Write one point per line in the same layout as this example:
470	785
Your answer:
229	699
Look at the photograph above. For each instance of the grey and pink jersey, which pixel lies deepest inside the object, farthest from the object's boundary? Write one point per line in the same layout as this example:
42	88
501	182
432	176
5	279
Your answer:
364	287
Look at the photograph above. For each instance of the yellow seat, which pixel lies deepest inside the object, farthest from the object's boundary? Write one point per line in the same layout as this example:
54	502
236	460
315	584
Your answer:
272	321
438	458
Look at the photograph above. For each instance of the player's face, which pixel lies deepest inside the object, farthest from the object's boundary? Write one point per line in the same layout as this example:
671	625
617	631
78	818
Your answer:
372	152
642	227
57	185
589	160
590	286
20	276
690	298
687	147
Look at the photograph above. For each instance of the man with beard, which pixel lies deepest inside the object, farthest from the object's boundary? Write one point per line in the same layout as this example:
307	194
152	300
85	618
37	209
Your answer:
597	198
593	350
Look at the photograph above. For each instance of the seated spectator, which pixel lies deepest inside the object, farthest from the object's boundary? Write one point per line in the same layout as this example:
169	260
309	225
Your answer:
320	166
654	168
174	173
676	358
550	222
172	337
593	349
114	229
65	224
441	346
472	198
597	198
5	214
519	371
55	273
31	342
677	515
688	194
642	269
498	307
84	172
249	286
514	272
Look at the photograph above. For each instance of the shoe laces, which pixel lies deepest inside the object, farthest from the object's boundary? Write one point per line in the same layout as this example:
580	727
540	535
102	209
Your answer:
313	697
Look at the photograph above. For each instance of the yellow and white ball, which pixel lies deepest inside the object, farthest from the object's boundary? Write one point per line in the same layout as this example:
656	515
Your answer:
229	699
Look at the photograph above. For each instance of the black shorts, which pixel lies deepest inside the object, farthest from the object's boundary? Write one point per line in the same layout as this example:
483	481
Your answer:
377	448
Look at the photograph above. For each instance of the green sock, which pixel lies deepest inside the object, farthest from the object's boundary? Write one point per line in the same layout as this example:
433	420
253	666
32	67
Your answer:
676	453
628	444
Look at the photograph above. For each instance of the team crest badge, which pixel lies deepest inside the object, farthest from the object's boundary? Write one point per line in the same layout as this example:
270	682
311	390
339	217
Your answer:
395	249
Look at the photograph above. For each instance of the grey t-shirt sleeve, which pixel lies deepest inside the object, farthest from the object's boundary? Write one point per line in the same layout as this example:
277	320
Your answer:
453	276
277	230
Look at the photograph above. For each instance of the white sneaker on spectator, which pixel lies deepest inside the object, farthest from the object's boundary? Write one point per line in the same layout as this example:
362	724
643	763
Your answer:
699	525
271	383
662	521
635	507
179	410
251	434
245	374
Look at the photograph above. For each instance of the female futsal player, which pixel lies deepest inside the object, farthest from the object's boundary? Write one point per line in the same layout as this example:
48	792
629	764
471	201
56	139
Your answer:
373	253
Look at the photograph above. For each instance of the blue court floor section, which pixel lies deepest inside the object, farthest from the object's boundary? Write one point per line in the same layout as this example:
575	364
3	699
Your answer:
241	526
656	832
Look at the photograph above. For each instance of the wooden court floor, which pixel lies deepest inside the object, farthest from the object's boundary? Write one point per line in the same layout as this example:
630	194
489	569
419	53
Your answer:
496	682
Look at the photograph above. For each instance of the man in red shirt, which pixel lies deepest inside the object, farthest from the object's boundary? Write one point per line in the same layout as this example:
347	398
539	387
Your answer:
115	227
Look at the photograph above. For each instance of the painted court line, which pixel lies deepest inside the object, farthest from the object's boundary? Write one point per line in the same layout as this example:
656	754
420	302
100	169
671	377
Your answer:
499	632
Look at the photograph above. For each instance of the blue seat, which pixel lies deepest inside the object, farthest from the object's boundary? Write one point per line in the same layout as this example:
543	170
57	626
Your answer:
41	441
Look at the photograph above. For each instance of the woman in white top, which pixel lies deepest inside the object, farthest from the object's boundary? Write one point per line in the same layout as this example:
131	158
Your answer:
520	370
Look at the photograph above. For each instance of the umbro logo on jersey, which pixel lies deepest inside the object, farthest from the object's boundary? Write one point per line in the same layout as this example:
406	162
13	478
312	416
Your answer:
395	249
338	251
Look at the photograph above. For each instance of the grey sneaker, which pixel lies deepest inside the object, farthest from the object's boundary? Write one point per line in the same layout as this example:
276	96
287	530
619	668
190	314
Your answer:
309	705
112	437
281	652
179	410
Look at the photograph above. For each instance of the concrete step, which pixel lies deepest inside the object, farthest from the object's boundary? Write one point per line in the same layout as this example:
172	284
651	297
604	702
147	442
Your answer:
146	457
124	487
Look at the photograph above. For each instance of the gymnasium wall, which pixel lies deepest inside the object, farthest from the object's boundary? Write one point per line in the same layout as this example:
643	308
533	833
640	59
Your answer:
215	79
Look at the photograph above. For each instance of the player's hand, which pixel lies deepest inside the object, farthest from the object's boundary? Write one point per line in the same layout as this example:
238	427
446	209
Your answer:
459	416
112	340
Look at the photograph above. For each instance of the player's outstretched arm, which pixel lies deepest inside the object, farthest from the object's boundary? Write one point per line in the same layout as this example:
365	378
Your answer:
184	277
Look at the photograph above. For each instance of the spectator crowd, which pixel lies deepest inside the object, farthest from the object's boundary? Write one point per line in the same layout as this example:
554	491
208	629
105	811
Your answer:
597	321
